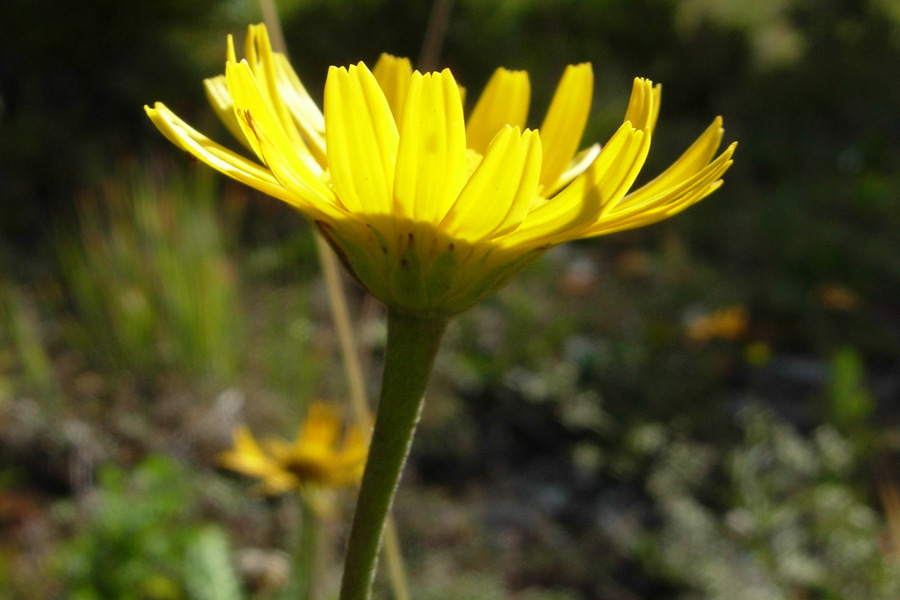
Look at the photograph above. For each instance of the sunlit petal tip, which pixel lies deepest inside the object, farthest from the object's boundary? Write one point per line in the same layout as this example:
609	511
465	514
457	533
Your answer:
363	69
393	74
656	94
584	71
391	66
729	152
563	126
504	101
250	45
230	54
642	105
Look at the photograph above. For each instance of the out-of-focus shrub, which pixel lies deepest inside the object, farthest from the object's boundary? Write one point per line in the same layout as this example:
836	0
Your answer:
788	521
150	277
140	538
22	348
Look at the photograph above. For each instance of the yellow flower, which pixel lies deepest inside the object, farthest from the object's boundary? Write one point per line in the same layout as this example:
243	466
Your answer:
838	297
315	462
729	323
429	212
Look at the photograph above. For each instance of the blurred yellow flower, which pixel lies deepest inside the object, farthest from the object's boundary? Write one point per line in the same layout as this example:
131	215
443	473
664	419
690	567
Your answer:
317	461
837	297
430	212
729	323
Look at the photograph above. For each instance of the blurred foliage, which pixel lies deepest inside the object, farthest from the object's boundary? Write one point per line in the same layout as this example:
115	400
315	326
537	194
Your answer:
850	403
788	522
209	573
140	539
284	357
150	276
22	347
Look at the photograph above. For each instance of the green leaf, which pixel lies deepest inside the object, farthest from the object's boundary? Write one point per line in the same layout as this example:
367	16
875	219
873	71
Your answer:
209	572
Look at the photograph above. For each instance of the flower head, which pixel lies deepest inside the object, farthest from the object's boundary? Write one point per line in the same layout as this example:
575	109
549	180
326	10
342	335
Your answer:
316	462
430	212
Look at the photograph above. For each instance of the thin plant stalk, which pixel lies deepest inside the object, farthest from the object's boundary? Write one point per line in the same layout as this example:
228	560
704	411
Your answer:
412	344
435	32
304	556
344	329
341	316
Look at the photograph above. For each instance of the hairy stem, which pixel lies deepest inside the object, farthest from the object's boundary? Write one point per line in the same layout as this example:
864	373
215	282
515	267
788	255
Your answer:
411	347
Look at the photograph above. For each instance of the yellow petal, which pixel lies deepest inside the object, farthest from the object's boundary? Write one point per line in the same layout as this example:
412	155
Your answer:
279	482
248	97
643	104
230	55
504	101
216	156
657	99
309	193
628	168
497	196
578	206
675	194
566	118
692	161
306	113
244	442
279	449
578	165
219	98
431	159
361	139
392	74
644	218
260	124
321	427
262	62
246	457
669	202
250	54
354	449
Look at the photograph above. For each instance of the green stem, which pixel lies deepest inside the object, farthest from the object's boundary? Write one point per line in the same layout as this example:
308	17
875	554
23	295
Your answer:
411	347
304	557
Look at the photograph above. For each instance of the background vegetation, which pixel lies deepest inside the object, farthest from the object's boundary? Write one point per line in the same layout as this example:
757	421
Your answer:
703	409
